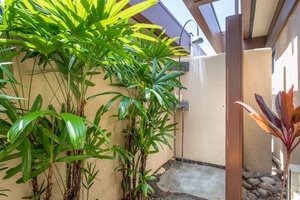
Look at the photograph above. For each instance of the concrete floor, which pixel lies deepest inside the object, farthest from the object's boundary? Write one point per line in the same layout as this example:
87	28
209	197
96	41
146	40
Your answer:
198	180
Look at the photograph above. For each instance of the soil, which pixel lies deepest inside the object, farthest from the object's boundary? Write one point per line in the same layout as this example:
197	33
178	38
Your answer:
160	194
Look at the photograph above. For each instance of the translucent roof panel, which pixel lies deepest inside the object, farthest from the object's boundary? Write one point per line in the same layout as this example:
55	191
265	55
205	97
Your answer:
223	9
182	14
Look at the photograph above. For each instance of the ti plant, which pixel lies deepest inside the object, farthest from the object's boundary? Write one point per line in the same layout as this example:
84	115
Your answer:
285	125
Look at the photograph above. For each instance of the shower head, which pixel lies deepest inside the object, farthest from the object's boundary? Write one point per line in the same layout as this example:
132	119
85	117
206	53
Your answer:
197	40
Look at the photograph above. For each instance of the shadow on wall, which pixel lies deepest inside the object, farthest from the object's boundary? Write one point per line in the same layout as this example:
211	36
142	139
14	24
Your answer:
286	70
204	122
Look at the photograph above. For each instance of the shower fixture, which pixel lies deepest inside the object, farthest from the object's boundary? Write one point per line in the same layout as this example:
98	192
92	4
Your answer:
184	105
197	40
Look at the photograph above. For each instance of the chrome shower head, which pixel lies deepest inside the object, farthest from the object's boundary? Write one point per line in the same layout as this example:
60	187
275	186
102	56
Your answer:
197	40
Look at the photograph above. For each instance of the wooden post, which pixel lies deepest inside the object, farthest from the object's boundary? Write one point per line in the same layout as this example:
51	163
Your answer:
234	114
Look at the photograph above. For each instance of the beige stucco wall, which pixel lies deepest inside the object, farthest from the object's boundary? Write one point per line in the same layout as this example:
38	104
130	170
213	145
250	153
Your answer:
204	122
108	182
256	79
287	56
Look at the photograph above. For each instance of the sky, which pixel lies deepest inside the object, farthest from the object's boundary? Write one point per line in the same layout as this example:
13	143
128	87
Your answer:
223	9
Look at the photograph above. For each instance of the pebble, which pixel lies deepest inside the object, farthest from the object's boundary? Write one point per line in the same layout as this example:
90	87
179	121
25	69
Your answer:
269	180
263	193
268	187
252	196
247	175
247	185
279	173
253	182
258	186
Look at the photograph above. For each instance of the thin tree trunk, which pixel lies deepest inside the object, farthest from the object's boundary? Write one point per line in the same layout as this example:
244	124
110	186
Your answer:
49	182
68	165
142	170
77	177
69	178
35	188
76	168
286	167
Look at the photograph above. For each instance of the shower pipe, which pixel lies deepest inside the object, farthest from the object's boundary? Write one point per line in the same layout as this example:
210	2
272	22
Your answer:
196	40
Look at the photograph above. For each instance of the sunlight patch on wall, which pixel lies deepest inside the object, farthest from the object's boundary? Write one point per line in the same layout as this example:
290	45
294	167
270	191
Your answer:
287	62
281	160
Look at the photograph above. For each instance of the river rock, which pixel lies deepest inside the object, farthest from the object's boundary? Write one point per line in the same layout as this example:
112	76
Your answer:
263	193
247	185
268	180
253	182
279	173
268	187
252	196
248	174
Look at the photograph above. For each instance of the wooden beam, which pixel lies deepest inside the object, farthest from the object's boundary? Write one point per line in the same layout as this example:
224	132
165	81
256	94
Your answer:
202	2
286	10
160	15
252	15
254	43
234	114
275	16
206	18
246	10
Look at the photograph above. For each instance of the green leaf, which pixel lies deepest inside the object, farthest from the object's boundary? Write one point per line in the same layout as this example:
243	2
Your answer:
13	171
12	157
37	104
140	107
11	111
129	12
11	147
9	74
147	94
76	129
39	168
3	96
123	107
73	158
44	139
72	62
19	126
16	42
26	160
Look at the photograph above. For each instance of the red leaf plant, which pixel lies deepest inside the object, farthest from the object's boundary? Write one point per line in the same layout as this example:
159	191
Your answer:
285	125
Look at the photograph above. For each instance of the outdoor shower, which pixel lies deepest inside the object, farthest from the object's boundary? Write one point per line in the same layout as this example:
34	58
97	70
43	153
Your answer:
184	105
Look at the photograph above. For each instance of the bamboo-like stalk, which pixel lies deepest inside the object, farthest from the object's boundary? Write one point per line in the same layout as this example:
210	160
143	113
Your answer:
49	182
35	188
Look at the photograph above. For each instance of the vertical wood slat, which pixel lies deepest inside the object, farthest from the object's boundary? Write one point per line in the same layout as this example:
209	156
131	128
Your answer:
234	114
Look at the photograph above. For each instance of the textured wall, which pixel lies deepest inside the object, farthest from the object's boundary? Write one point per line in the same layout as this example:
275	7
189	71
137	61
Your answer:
204	123
287	58
256	79
108	182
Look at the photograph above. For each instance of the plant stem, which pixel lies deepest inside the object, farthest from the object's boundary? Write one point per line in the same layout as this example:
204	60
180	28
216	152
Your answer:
286	167
35	188
49	182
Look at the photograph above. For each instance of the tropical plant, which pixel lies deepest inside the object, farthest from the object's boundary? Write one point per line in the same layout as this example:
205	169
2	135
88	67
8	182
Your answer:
145	108
90	174
74	40
3	190
285	125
